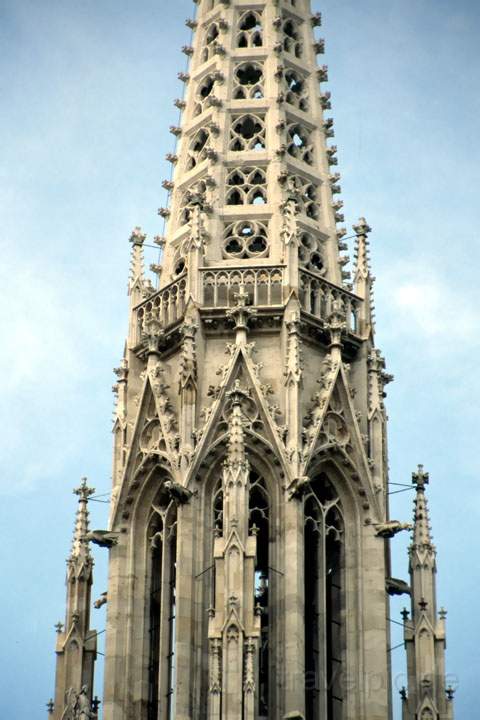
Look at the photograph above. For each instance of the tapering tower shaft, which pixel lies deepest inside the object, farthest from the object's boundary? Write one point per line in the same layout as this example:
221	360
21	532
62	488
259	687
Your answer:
252	147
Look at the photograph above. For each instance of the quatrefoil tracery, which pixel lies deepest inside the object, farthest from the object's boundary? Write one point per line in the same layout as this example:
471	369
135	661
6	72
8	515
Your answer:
247	133
245	239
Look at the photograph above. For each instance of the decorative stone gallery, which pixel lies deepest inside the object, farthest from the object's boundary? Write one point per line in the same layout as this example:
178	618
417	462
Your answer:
249	528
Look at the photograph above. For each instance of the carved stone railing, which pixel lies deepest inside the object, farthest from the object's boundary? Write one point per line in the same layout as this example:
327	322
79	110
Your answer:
264	285
166	306
318	295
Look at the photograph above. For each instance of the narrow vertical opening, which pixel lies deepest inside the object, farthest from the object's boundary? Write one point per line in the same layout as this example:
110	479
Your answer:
162	610
259	526
155	615
324	602
334	614
172	623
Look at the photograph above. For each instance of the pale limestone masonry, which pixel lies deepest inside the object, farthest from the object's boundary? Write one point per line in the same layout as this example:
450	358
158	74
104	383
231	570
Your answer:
249	529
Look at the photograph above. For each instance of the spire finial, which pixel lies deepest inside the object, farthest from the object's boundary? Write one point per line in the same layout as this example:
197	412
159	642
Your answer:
420	479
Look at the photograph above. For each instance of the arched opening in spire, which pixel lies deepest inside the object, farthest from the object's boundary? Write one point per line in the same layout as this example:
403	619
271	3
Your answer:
248	186
197	149
247	133
296	89
211	36
250	30
248	81
292	39
324	601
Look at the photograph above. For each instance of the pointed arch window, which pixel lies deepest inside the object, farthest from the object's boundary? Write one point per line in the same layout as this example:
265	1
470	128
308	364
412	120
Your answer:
247	186
211	39
162	536
292	37
300	144
250	30
198	149
205	94
247	133
310	253
324	602
248	78
296	88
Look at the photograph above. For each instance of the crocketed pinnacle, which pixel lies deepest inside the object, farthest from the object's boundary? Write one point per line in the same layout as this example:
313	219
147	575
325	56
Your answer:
421	530
80	548
236	456
362	261
137	265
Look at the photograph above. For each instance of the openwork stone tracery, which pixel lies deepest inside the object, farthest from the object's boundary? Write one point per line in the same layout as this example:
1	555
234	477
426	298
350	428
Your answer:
248	576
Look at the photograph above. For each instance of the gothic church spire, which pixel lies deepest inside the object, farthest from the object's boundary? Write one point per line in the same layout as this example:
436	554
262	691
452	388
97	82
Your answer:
425	638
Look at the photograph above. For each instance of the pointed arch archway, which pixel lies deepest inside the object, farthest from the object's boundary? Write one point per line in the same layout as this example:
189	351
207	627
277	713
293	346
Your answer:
332	590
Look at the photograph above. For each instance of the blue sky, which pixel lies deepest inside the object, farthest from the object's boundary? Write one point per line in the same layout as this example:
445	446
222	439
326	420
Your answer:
87	93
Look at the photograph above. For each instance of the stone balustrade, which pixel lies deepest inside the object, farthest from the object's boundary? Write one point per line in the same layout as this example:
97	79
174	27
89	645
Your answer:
264	285
166	306
317	297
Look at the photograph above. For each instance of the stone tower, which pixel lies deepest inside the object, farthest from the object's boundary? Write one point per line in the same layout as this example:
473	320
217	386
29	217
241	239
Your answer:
249	529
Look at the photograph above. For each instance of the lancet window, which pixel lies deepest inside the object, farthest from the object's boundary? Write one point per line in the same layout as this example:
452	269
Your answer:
250	30
162	610
310	253
247	133
299	143
197	151
324	602
247	186
248	81
245	239
292	37
296	91
211	38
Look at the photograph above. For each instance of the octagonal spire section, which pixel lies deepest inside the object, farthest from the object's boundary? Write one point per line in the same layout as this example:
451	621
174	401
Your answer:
253	156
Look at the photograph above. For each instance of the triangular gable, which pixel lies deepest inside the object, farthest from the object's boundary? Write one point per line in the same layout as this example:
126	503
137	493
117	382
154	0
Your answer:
336	426
258	417
151	438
